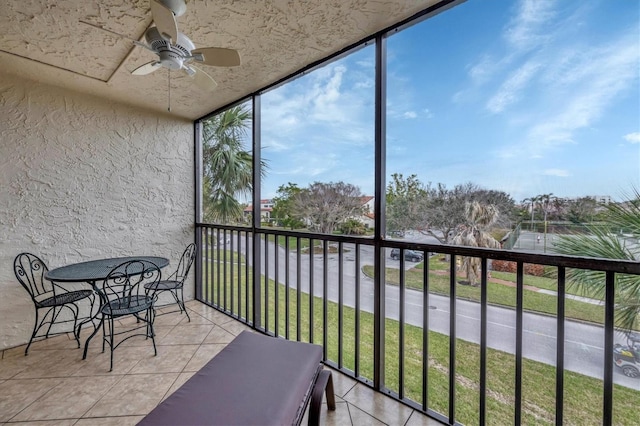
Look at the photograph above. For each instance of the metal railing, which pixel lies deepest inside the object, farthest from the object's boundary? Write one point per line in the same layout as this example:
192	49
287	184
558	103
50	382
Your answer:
328	290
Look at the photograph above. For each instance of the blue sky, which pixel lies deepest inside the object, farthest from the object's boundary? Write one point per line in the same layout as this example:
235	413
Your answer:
528	97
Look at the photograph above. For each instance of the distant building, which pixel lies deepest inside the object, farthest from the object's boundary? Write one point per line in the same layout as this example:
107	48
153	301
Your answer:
600	199
603	199
367	217
266	207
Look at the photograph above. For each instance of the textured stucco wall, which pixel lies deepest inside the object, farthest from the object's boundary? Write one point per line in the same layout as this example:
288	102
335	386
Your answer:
81	179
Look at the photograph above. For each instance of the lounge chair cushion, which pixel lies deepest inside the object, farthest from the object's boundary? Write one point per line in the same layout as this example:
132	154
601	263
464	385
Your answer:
254	380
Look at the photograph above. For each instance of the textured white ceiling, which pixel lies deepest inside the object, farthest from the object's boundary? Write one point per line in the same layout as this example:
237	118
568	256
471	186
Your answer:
44	40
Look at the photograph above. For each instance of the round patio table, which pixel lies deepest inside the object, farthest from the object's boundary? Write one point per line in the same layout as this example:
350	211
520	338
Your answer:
94	271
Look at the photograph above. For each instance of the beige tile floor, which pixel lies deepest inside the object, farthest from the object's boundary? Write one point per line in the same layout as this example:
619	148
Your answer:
54	386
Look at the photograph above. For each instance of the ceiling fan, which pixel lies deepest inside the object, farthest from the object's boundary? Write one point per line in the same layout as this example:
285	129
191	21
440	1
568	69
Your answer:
175	50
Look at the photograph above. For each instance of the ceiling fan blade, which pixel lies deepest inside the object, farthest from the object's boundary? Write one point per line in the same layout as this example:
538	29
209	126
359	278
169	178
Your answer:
178	7
165	20
203	80
217	56
147	68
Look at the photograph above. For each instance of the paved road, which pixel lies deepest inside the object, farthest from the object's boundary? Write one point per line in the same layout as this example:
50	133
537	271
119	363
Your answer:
584	350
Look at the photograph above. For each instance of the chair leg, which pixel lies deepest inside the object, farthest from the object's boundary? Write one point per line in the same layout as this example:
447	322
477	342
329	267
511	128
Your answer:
76	312
104	333
95	331
54	316
324	384
181	304
150	318
35	330
111	325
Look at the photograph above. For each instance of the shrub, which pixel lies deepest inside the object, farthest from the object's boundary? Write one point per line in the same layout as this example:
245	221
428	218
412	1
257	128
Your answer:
353	227
506	266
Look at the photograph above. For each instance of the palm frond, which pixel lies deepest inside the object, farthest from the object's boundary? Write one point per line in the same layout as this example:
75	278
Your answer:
606	243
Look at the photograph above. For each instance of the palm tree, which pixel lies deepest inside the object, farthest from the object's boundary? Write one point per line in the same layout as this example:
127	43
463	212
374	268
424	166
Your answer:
606	242
545	201
228	166
480	218
533	201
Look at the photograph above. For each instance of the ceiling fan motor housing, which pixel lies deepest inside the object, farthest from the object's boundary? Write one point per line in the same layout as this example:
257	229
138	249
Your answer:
172	56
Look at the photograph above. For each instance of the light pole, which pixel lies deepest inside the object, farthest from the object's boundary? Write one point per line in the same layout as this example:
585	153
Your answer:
532	211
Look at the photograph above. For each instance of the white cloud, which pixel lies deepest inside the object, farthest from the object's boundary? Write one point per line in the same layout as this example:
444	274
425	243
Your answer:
605	71
326	94
556	172
282	171
510	91
484	69
410	114
274	145
527	28
633	137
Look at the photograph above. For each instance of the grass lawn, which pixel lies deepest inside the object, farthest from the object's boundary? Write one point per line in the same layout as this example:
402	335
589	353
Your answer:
293	242
547	283
498	294
582	399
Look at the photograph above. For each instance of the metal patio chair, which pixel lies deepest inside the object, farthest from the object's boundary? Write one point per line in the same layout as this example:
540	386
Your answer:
48	296
122	296
175	282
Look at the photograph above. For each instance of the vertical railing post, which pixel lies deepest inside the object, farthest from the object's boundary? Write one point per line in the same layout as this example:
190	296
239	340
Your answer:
357	313
247	280
483	341
298	290
379	311
560	346
276	286
287	309
311	289
425	334
340	303
256	257
519	331
401	320
452	338
218	263
325	297
609	311
197	179
198	275
266	282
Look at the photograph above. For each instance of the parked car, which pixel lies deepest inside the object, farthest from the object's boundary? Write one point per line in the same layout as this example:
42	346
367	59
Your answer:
410	255
627	358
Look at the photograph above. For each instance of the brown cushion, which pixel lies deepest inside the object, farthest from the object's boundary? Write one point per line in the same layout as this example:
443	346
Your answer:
255	380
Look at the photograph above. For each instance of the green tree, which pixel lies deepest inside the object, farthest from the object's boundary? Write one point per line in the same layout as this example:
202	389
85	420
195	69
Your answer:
406	202
545	202
609	242
581	210
284	211
227	165
324	206
436	210
532	208
447	208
